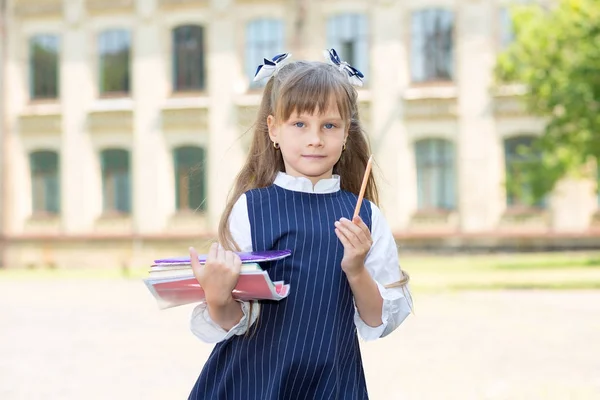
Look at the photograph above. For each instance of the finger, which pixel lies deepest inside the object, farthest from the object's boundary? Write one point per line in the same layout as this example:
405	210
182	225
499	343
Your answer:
356	229
229	259
345	242
361	224
196	267
212	252
355	236
351	226
221	254
343	226
237	263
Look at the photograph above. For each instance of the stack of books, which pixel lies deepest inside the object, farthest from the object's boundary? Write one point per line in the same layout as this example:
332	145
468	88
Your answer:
172	281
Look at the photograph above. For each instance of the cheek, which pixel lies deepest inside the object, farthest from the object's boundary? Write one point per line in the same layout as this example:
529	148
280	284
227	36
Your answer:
337	137
290	144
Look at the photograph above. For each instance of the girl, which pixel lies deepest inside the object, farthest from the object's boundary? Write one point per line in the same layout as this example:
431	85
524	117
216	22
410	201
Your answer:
296	191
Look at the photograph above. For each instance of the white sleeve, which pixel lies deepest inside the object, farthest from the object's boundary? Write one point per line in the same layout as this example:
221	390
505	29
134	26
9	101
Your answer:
239	224
382	264
200	323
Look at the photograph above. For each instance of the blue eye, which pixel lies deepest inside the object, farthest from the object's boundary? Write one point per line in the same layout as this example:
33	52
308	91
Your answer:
299	124
329	126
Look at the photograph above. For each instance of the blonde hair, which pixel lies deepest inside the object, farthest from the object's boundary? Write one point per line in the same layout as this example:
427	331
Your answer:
301	87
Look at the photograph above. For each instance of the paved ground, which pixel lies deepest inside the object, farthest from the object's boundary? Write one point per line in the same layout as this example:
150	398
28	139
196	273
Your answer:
68	339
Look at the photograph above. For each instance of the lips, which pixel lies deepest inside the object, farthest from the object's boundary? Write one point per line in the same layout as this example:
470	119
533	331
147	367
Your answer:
313	156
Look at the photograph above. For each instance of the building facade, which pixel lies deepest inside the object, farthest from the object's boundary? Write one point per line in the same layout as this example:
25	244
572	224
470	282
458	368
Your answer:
3	167
126	122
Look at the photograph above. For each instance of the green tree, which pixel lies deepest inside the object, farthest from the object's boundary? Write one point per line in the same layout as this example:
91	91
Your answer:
556	56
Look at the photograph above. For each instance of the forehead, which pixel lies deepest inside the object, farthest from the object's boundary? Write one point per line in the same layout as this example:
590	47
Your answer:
331	111
312	94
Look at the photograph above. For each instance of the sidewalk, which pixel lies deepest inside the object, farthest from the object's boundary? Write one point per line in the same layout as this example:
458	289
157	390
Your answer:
105	339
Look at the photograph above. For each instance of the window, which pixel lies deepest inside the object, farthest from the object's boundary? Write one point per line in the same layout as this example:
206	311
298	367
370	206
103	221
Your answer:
432	53
435	174
190	178
518	193
264	39
43	67
188	58
45	182
507	34
114	49
348	35
116	189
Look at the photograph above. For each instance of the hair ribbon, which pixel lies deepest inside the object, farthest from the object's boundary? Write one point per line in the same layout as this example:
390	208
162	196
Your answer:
270	67
354	75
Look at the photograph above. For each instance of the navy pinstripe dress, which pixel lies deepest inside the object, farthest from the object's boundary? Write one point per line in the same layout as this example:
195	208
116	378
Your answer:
305	346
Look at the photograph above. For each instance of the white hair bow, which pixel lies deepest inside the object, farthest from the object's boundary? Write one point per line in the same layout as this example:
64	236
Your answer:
270	67
354	76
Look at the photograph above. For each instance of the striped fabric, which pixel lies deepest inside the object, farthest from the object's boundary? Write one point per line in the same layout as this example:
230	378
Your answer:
306	346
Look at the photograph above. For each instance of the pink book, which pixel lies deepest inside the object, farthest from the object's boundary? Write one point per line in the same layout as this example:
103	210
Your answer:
185	290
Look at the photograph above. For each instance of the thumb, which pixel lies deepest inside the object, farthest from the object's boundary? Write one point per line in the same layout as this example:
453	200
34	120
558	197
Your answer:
237	264
196	267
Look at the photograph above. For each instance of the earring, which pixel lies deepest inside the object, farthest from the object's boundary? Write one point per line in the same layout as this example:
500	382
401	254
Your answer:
344	147
276	145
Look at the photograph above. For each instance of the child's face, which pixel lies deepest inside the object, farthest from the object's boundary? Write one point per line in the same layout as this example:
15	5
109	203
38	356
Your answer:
311	144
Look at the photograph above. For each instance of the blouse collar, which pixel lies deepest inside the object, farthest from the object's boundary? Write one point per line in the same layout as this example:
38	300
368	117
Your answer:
302	184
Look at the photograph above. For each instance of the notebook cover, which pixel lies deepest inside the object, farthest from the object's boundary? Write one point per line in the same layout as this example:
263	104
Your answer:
182	291
251	257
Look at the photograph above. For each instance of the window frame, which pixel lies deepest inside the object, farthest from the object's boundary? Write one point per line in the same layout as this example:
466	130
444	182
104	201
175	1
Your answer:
48	37
113	207
511	202
506	34
36	171
202	86
442	162
179	163
103	40
413	48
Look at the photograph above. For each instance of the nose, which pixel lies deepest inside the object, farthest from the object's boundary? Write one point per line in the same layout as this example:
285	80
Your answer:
315	139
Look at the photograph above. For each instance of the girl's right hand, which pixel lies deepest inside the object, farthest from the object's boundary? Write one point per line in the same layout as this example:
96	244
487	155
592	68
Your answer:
218	276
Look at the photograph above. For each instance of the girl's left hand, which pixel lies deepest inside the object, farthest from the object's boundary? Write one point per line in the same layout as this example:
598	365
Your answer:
356	239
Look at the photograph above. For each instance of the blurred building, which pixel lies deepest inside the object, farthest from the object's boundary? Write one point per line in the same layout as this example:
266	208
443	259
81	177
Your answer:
3	167
125	122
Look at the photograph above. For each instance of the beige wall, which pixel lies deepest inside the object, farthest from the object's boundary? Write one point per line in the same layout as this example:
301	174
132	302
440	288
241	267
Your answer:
153	121
2	127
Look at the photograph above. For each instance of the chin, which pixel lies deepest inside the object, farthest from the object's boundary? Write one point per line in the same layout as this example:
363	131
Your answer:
314	174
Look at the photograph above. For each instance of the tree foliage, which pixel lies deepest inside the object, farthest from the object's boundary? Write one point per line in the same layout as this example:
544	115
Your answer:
556	56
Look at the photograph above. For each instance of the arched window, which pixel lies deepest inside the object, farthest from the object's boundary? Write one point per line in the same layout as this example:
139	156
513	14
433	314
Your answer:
190	178
189	71
45	182
436	183
116	182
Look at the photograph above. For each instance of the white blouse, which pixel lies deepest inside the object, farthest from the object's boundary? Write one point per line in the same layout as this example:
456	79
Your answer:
381	263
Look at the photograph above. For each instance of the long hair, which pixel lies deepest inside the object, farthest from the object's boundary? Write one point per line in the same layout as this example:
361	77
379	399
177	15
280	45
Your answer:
301	87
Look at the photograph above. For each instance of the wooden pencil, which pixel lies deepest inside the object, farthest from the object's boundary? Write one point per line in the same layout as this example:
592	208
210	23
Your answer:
363	187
